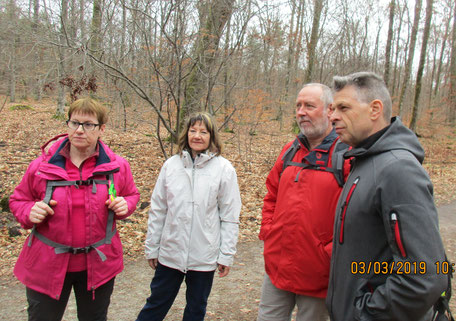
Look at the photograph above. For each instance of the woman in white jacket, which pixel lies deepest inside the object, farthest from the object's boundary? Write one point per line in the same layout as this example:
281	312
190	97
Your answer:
193	222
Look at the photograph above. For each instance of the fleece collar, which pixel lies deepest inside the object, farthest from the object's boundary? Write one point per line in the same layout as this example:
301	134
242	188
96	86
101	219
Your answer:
59	160
319	156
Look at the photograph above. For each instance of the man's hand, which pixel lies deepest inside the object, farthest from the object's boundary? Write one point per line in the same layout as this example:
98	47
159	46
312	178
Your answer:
118	205
223	270
41	210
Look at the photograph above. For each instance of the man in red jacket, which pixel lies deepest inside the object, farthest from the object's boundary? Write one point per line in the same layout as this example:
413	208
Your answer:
298	214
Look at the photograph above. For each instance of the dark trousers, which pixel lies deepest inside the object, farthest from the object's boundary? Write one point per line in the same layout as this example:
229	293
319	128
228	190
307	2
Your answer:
91	306
164	288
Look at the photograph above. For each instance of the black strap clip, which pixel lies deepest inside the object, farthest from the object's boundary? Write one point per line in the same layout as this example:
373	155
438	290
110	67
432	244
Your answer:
79	250
85	183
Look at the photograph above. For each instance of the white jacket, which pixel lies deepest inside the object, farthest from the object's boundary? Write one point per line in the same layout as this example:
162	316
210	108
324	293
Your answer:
194	214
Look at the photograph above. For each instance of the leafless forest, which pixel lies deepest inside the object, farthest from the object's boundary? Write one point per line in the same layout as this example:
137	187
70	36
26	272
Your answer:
238	59
152	62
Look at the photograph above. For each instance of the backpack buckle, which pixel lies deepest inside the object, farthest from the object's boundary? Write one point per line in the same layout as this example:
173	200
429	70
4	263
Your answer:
79	250
84	183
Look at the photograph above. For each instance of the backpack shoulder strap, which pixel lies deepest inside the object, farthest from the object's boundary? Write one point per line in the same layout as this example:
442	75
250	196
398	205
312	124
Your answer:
337	161
110	232
290	153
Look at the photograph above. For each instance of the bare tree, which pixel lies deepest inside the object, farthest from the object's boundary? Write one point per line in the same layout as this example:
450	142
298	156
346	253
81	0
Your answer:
452	91
291	47
411	54
423	54
389	40
213	16
61	67
442	52
12	51
311	48
396	76
95	28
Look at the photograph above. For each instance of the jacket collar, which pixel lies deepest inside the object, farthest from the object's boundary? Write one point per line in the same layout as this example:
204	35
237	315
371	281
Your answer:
58	158
320	154
199	161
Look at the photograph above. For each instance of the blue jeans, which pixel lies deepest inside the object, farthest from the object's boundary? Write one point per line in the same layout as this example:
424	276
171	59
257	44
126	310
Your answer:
164	288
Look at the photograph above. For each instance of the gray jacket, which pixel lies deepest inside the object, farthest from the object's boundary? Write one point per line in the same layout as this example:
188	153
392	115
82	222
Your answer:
386	235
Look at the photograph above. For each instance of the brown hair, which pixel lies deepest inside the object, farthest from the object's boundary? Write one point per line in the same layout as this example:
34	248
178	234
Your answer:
89	106
215	145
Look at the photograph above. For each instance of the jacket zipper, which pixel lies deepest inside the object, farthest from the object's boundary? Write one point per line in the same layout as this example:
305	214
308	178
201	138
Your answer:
90	238
397	234
193	210
344	209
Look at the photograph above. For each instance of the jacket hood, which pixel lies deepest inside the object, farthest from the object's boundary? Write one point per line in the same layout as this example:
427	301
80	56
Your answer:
397	136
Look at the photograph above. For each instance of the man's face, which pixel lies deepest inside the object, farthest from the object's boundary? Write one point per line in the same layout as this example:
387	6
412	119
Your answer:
350	117
311	115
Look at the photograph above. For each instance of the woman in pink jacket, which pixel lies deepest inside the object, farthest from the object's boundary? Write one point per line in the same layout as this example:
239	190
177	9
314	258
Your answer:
71	197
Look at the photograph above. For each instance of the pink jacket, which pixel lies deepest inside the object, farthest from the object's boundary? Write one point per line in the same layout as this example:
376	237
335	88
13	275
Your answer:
38	267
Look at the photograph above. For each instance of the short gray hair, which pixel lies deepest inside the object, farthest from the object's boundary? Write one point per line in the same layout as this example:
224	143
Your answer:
326	95
369	86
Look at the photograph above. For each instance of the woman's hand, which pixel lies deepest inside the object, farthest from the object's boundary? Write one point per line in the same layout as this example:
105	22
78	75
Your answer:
153	263
118	205
40	210
223	270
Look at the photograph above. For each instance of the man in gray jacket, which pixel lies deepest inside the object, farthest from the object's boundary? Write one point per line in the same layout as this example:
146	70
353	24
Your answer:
387	247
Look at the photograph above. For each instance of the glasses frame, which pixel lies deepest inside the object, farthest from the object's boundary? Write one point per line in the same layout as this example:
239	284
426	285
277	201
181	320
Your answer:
81	124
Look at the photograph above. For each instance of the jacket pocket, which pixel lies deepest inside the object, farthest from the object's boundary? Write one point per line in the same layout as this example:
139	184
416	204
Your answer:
397	235
344	209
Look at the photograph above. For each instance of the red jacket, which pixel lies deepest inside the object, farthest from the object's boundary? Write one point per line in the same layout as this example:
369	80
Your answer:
38	266
297	225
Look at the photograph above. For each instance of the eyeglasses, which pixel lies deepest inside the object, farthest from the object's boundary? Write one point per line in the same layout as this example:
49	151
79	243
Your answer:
86	126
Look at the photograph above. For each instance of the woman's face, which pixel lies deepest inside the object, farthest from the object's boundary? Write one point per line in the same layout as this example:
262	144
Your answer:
84	140
198	138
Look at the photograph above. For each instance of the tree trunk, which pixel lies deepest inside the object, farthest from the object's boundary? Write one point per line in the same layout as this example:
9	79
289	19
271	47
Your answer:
61	66
419	76
299	32
81	19
452	91
36	53
411	53
291	48
12	78
95	29
386	75
12	54
312	47
442	52
226	76
396	82
213	16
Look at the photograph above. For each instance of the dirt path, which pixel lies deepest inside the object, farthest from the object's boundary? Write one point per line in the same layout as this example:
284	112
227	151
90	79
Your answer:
233	298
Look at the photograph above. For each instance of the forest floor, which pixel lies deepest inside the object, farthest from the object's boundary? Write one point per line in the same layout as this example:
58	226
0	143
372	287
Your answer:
252	148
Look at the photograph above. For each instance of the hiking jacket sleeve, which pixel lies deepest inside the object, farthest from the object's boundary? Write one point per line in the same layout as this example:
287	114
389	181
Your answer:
269	202
126	187
157	216
229	203
25	196
411	225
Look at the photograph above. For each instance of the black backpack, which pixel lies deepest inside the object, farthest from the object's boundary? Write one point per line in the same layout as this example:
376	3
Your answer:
337	160
442	306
